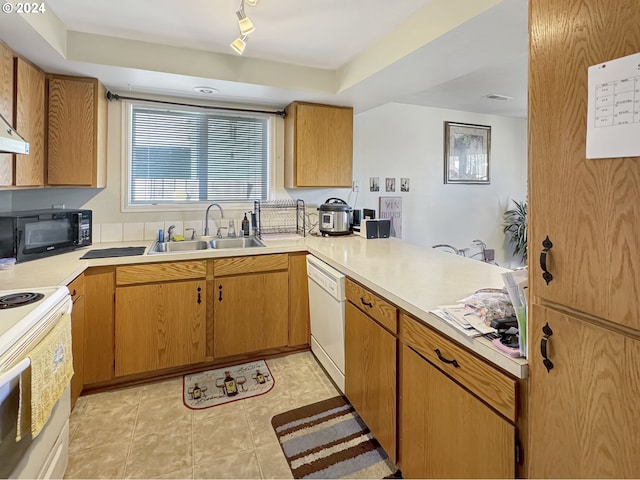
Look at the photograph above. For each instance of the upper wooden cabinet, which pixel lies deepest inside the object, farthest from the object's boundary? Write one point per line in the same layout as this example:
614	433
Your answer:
77	132
6	110
29	122
318	145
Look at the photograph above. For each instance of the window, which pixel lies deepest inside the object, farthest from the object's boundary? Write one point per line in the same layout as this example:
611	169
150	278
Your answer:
186	157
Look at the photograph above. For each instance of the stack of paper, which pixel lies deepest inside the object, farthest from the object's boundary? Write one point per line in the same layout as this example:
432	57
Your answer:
464	319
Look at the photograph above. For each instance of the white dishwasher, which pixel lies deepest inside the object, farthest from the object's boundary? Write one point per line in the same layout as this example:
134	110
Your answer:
326	308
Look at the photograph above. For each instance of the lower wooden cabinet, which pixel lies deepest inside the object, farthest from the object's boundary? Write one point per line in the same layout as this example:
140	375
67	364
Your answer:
251	313
99	290
159	325
370	375
446	432
76	288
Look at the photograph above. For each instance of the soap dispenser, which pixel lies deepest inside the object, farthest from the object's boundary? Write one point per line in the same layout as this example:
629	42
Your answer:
245	225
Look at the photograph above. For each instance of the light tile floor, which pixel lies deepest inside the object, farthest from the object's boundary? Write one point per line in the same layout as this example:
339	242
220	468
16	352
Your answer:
147	432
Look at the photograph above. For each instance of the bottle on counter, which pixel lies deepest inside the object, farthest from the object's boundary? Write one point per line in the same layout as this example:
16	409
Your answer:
245	225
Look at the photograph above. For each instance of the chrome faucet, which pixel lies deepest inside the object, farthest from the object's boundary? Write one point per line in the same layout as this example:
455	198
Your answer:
219	232
206	218
170	233
193	232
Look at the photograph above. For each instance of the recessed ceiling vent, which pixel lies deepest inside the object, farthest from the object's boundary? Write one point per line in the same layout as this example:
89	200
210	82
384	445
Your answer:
495	96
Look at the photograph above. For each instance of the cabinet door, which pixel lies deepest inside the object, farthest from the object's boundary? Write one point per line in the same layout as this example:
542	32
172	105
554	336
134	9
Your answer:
29	169
318	145
299	323
6	110
445	432
584	412
74	151
99	291
159	326
370	375
587	208
251	313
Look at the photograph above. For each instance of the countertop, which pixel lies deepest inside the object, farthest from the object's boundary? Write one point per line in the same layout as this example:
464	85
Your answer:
417	279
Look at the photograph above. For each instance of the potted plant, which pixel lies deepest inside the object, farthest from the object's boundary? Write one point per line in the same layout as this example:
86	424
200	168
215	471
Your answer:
515	225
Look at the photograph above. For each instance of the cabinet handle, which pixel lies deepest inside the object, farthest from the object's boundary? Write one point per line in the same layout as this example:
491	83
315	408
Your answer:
546	275
543	347
366	304
220	292
73	294
446	360
199	298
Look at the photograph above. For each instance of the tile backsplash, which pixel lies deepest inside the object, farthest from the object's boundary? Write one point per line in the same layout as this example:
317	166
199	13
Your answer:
147	231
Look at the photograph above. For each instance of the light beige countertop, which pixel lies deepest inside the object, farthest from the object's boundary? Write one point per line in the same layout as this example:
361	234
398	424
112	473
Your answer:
415	278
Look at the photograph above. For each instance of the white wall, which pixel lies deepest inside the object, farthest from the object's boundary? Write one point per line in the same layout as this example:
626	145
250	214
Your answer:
398	140
394	140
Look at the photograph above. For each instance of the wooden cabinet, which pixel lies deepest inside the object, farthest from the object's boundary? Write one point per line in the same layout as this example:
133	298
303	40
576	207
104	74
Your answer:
160	317
29	123
299	321
6	110
318	145
99	291
451	402
583	411
251	310
370	375
445	431
77	132
585	414
76	288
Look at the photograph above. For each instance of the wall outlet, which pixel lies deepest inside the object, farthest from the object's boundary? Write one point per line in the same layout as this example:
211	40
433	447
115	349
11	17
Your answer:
356	186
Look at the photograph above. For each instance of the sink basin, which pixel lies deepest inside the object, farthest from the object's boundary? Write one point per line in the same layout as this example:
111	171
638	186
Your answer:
189	246
215	243
241	242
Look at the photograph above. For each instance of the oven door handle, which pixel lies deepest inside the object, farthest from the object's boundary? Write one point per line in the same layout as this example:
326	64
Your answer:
14	371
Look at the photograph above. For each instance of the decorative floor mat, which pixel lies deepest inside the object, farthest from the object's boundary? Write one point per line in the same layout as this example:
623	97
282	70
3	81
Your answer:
328	439
227	384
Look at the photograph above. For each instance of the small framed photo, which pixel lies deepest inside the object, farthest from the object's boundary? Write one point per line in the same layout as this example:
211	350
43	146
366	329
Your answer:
404	184
374	184
390	184
467	149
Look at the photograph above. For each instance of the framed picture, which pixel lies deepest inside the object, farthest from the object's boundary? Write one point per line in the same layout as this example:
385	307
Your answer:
404	184
391	209
466	153
374	184
390	184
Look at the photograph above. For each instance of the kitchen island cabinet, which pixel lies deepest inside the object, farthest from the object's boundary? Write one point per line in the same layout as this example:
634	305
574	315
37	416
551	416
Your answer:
77	132
160	319
370	363
251	311
457	413
318	145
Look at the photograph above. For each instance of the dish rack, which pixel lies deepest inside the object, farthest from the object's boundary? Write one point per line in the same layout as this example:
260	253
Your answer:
279	217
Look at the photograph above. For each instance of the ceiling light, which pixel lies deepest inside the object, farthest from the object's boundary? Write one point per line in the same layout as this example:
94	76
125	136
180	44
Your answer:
206	90
251	2
239	43
246	25
497	96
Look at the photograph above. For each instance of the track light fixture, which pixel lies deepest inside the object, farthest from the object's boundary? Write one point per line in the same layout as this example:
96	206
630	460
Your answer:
245	25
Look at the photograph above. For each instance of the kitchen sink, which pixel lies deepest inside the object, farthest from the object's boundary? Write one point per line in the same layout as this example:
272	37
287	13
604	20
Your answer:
241	242
168	247
194	245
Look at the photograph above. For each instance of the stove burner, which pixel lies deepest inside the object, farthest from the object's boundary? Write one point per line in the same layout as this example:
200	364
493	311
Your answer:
19	299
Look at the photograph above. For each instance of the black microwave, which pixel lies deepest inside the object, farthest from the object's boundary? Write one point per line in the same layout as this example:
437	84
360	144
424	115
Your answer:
33	234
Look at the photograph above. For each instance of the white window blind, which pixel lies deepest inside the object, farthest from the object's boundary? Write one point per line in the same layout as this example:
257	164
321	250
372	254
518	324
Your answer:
196	156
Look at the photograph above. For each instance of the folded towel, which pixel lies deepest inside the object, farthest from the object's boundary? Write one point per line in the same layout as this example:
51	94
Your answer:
51	372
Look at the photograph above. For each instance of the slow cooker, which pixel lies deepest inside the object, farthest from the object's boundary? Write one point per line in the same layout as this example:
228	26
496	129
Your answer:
334	217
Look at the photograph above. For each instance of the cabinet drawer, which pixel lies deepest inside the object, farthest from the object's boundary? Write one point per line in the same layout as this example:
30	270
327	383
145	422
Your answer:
160	272
252	264
76	288
374	306
492	386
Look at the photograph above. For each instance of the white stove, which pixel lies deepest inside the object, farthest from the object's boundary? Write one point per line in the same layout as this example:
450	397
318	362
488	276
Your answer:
16	322
27	316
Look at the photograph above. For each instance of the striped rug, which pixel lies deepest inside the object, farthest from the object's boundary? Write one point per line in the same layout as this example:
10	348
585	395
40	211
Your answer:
329	440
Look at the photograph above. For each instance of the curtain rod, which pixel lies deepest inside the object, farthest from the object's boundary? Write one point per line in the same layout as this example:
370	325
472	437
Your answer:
114	96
